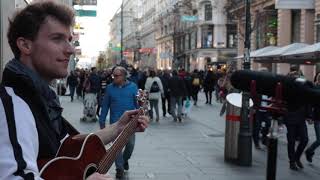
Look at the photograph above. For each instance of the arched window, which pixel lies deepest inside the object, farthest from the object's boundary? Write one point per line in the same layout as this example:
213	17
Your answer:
207	12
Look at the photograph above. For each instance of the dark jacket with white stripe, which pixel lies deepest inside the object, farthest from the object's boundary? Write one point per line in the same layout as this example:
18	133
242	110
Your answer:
38	137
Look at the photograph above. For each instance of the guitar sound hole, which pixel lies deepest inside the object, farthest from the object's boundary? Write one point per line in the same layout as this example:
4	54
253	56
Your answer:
90	170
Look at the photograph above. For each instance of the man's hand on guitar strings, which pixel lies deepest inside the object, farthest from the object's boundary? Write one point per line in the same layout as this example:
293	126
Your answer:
129	115
143	122
97	176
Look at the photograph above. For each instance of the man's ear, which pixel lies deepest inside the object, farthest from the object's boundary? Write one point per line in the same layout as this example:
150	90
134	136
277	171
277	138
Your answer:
24	45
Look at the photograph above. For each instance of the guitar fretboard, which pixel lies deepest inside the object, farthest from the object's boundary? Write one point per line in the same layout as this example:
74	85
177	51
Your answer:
118	144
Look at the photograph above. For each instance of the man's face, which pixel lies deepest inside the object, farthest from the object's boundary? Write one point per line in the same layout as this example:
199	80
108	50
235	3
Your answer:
52	49
118	77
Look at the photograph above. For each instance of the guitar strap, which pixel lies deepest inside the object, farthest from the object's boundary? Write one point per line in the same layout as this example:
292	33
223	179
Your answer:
17	150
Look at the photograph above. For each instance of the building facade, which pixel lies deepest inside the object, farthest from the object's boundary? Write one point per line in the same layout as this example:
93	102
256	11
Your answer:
279	23
195	34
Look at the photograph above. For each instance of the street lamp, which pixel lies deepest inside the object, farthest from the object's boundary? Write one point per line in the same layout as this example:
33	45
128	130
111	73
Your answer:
245	142
121	33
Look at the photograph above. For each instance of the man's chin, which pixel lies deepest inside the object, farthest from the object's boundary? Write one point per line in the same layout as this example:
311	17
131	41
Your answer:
61	75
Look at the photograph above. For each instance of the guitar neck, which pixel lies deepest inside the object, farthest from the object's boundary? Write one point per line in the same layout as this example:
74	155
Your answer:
117	146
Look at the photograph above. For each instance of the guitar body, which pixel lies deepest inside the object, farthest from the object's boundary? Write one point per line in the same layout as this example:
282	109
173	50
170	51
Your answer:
77	158
81	155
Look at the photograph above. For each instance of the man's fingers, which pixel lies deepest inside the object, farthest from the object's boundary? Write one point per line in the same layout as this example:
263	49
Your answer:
132	112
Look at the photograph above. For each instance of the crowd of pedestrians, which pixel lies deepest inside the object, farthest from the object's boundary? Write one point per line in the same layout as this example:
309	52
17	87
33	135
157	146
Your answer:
176	88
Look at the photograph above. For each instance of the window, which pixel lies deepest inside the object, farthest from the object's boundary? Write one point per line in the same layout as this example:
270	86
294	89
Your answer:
317	23
187	42
193	40
266	29
295	27
207	12
182	43
231	36
207	36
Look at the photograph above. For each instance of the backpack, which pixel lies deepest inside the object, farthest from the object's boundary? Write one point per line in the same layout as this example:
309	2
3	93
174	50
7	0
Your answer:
154	87
196	81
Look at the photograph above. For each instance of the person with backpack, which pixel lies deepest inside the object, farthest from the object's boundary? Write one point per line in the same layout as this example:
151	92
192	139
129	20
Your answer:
195	86
154	87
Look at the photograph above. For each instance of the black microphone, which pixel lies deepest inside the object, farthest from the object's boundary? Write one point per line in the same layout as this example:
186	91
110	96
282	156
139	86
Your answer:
294	90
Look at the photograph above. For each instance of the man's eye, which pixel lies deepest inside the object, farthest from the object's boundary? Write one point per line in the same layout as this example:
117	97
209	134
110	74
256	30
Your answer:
57	38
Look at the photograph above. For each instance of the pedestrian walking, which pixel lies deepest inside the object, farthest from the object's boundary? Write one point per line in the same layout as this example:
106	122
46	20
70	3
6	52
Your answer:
119	96
166	98
177	92
154	87
295	121
208	85
72	82
316	122
195	85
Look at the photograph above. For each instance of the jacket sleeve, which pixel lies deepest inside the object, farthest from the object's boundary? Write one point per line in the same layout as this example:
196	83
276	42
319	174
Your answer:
19	142
160	85
104	108
147	85
135	92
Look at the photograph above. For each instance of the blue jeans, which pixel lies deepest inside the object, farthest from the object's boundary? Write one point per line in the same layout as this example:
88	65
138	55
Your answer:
126	154
72	89
154	105
316	143
176	101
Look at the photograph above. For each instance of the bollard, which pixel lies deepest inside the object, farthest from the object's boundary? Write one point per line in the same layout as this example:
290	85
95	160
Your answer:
272	151
232	126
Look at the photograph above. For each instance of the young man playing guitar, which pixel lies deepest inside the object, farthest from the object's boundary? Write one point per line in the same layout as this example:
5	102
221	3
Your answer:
31	122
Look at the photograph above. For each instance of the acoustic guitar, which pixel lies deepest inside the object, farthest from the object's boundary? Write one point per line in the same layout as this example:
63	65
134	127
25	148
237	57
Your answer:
80	156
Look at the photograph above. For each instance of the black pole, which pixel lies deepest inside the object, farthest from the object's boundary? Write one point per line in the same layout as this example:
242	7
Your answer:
244	141
272	151
121	34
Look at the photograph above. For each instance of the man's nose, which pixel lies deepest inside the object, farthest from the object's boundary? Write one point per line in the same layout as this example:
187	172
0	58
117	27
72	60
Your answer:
69	50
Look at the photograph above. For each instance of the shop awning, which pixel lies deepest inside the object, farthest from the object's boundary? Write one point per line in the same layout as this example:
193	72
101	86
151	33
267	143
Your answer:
307	55
275	56
257	52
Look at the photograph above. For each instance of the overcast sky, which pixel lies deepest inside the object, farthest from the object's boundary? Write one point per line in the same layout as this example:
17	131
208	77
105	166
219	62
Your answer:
96	30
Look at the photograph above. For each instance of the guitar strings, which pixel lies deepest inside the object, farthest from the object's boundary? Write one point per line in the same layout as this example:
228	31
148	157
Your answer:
107	160
102	167
116	147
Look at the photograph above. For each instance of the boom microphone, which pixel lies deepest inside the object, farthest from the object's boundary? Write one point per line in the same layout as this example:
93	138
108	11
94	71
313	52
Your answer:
294	90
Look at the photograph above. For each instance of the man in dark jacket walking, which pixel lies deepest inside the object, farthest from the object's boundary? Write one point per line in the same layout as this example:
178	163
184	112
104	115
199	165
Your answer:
177	91
72	82
166	98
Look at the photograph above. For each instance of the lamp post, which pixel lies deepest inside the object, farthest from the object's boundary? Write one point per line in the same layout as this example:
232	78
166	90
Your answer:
245	142
121	33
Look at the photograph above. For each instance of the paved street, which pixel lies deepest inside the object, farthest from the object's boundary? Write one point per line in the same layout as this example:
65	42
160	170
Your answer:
193	149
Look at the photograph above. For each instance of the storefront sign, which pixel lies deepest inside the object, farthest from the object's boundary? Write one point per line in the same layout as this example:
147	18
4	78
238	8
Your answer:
148	50
189	18
295	4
